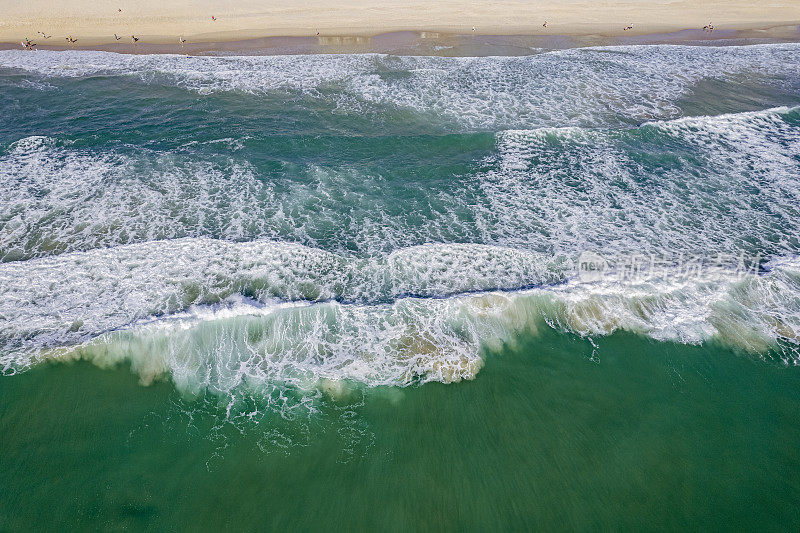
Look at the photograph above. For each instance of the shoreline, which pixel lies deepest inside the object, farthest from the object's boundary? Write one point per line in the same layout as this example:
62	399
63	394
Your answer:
434	43
364	25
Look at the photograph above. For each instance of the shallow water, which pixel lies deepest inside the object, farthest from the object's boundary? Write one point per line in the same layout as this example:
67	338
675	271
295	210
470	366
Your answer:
369	271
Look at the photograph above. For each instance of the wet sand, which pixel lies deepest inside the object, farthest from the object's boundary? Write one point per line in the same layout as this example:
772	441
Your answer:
314	25
434	43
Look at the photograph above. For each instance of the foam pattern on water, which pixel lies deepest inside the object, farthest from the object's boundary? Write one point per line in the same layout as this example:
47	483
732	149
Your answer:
732	179
241	345
55	198
705	185
584	87
73	297
226	273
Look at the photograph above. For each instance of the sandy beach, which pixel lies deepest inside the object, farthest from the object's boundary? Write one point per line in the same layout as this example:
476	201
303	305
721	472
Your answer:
94	23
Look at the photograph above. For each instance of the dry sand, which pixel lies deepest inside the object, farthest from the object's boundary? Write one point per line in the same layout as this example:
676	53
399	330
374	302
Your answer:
94	22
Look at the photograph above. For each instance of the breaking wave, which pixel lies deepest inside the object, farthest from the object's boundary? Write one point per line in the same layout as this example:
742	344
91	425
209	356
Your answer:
216	316
274	262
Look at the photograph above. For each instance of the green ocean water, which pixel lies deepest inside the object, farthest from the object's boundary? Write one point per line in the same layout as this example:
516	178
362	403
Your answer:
556	291
646	436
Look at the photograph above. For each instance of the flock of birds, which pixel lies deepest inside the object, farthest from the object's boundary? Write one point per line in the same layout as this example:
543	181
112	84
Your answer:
27	44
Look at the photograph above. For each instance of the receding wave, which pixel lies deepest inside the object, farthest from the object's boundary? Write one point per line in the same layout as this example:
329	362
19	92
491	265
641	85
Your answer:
582	87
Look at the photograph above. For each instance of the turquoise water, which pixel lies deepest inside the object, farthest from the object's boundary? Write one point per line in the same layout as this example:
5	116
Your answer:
295	291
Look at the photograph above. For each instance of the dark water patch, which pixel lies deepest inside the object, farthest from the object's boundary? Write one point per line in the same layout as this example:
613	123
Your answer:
739	94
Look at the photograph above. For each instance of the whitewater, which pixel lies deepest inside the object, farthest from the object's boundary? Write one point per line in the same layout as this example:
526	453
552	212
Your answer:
262	223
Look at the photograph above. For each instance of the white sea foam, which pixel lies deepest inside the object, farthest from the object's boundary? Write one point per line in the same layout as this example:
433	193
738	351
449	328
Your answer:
244	343
55	198
733	180
585	87
725	184
76	296
87	274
